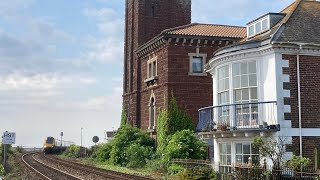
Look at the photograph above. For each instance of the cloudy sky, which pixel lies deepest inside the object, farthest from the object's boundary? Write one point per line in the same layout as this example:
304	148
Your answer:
61	62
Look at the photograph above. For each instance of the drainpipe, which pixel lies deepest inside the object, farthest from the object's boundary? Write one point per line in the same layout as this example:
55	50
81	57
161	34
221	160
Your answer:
299	97
298	81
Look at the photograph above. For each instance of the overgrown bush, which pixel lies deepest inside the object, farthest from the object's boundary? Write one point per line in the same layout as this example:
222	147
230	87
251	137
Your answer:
175	169
162	132
157	165
72	151
297	161
178	119
138	154
199	173
185	145
1	170
126	136
102	152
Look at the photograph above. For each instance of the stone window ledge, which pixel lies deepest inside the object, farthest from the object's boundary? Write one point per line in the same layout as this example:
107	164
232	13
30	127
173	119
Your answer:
197	74
151	81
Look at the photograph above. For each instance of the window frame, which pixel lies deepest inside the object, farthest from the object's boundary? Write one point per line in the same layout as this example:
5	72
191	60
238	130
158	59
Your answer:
153	64
152	108
251	153
191	58
255	23
221	154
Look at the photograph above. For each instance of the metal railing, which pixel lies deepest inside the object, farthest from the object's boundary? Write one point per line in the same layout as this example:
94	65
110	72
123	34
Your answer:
254	115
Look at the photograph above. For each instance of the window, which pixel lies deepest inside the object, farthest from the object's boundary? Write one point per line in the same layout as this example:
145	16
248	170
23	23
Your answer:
244	151
152	67
225	153
152	113
258	26
251	30
245	91
223	93
197	62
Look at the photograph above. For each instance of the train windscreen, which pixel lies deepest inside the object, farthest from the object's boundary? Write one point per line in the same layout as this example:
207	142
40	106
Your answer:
50	140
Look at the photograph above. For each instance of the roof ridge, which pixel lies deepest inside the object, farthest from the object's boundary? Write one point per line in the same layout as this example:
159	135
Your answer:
285	20
219	25
178	27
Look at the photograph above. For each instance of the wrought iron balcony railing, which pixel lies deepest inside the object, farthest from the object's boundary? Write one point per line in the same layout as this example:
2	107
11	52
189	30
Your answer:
254	115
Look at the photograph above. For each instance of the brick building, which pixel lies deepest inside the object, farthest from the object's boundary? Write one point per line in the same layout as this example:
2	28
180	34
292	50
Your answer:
267	85
164	55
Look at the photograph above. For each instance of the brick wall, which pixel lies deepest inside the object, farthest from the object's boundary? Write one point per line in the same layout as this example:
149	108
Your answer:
308	146
191	92
160	90
310	91
142	25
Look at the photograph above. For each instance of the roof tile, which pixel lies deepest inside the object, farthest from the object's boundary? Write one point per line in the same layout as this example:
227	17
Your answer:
214	30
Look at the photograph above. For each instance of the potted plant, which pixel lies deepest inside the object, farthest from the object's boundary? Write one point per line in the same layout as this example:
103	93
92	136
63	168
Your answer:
222	125
265	124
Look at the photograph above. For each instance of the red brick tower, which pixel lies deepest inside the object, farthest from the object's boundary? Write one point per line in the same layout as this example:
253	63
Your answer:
144	19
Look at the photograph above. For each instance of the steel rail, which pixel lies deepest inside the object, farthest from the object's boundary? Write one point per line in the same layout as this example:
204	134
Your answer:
49	167
98	171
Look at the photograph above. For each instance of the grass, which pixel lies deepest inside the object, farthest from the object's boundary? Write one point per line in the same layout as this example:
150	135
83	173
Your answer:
107	166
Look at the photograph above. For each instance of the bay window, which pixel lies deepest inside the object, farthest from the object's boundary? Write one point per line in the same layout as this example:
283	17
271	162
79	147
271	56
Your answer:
223	93
242	91
225	153
244	151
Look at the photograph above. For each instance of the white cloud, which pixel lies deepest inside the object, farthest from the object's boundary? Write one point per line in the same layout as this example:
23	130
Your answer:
108	48
103	14
10	8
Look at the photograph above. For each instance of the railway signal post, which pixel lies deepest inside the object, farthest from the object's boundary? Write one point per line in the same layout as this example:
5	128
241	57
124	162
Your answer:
7	138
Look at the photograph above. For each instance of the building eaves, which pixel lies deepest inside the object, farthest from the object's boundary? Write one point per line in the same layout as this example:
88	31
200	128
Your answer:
194	31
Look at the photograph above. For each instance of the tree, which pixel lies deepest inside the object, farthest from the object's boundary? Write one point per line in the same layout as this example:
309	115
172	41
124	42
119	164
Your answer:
178	119
273	148
185	145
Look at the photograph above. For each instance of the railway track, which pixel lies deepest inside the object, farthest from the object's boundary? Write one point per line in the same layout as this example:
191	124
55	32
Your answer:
44	171
107	174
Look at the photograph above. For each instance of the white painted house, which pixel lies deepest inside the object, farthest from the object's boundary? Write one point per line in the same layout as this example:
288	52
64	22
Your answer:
267	85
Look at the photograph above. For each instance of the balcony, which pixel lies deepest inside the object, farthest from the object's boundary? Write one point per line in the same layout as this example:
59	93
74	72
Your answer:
244	117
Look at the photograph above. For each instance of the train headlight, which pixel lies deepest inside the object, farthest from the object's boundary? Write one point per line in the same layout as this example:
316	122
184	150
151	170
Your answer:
44	146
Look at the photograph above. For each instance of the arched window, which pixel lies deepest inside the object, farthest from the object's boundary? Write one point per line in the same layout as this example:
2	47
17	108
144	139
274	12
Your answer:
152	113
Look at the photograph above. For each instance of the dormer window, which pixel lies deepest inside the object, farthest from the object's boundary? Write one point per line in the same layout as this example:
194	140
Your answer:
263	23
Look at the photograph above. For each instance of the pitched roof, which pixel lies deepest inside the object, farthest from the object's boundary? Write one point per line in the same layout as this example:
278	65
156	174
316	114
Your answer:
196	29
304	24
301	24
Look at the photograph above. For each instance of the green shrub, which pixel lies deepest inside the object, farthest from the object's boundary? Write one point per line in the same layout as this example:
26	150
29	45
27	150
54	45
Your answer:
102	152
137	155
178	119
72	151
199	173
296	162
162	132
1	170
175	169
126	136
185	145
157	165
